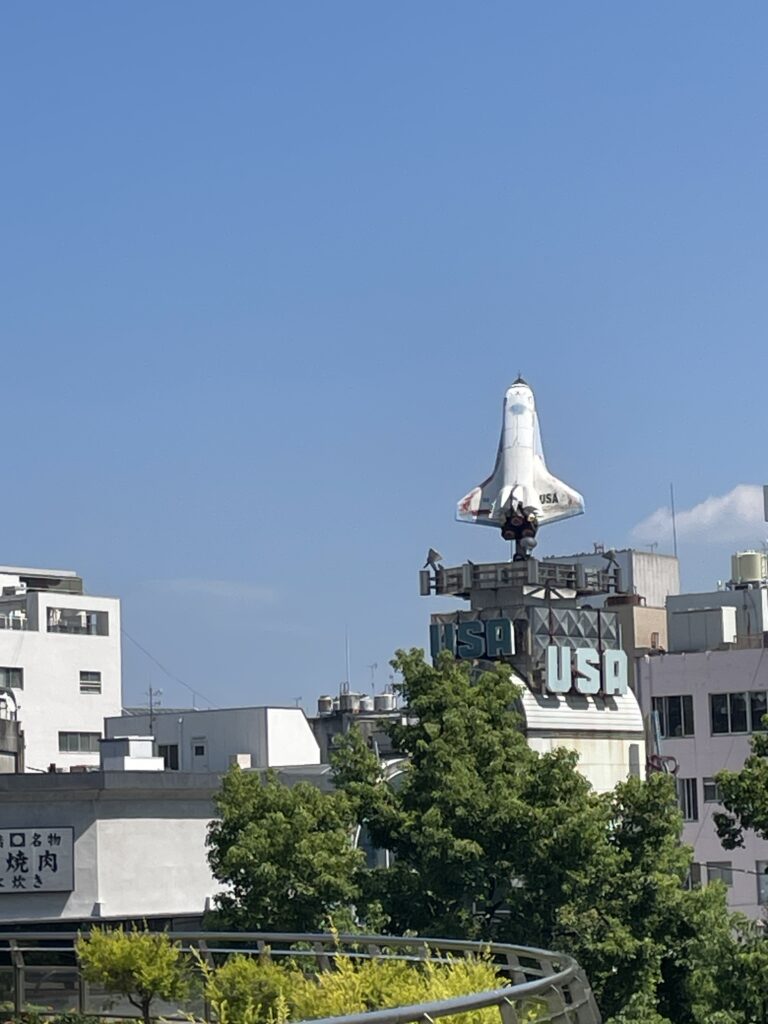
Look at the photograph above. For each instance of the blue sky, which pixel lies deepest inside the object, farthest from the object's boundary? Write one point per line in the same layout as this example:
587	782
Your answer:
267	269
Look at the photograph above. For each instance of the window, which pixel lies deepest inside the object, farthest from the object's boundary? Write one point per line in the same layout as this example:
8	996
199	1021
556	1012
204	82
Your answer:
199	750
718	709
79	742
712	794
693	878
675	715
170	755
654	641
688	799
90	682
757	708
737	712
76	620
761	867
719	871
12	678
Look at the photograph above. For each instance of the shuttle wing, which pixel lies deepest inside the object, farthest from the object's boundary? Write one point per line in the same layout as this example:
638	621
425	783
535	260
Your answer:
556	499
478	505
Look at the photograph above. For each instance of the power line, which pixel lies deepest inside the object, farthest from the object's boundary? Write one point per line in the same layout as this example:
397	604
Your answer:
175	678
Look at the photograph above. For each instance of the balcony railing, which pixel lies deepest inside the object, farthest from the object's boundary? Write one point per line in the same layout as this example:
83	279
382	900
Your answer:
39	969
12	620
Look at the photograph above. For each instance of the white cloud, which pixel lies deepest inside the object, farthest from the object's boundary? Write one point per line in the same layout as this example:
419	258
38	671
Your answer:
734	517
234	590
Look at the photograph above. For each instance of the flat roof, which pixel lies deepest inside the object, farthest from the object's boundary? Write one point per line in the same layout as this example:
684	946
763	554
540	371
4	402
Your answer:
23	570
134	712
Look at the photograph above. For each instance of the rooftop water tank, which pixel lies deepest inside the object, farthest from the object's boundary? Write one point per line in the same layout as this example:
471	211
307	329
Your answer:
748	566
366	703
324	705
384	702
349	701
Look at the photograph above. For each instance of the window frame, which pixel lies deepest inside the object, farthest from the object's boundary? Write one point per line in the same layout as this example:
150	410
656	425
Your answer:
91	745
169	753
661	704
688	798
720	871
709	782
90	681
8	684
761	871
749	705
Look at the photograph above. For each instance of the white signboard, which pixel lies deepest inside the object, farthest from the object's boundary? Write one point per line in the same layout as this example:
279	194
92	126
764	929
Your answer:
37	859
585	671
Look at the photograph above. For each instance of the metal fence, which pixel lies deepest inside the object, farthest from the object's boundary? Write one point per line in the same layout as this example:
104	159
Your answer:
39	972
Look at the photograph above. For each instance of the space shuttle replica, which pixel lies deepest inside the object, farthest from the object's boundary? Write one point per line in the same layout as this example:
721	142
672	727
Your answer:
521	494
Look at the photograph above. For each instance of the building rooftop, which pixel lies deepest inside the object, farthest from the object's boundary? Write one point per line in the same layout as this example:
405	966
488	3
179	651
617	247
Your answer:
145	711
22	570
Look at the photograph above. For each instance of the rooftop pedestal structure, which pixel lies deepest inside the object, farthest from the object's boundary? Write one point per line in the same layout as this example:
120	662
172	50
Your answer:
537	617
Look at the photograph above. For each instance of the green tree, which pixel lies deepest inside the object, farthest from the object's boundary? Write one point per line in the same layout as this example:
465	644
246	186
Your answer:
744	794
486	833
284	853
138	964
494	841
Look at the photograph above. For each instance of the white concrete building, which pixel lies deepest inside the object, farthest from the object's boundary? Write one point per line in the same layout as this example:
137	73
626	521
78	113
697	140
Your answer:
60	661
122	844
606	732
649	574
209	741
126	844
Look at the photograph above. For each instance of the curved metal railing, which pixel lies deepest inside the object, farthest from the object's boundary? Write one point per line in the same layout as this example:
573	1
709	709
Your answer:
39	970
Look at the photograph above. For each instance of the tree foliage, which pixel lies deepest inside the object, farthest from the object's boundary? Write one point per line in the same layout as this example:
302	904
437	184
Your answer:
492	840
744	794
285	854
246	990
138	964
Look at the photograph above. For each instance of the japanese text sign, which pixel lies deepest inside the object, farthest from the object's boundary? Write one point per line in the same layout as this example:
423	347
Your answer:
36	859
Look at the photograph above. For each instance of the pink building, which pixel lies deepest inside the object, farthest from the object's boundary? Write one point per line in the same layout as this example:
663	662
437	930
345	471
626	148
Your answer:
709	703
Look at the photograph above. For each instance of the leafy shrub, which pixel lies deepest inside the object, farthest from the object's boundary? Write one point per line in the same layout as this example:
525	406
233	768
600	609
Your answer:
245	990
140	965
250	991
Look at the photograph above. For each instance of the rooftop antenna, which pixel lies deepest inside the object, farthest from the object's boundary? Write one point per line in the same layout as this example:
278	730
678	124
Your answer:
154	702
373	668
346	652
674	520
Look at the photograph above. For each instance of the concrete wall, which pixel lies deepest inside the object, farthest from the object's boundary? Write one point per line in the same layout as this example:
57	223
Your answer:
704	754
751	607
51	701
655	577
651	575
701	629
290	739
139	844
606	732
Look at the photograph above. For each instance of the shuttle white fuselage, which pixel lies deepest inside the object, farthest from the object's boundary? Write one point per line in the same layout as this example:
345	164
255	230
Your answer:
521	494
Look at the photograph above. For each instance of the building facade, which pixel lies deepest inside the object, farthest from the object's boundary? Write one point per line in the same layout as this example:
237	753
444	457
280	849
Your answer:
549	621
708	704
59	666
209	741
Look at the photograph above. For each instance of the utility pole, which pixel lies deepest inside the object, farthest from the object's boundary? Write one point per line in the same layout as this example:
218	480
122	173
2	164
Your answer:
154	702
